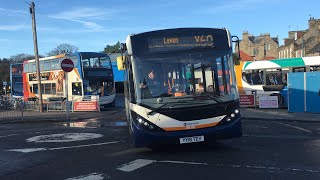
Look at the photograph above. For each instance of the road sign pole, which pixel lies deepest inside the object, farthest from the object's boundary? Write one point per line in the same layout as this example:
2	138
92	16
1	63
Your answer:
67	95
67	66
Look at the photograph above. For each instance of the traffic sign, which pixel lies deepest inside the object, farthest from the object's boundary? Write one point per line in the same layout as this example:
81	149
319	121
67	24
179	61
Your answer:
67	65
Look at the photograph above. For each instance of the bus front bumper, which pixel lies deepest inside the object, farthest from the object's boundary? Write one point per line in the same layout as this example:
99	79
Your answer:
144	138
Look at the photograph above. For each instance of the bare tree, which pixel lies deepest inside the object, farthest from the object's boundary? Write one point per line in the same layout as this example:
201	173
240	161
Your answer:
63	48
21	57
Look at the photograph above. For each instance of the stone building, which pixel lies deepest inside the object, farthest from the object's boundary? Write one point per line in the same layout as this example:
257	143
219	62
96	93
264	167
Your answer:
302	43
259	47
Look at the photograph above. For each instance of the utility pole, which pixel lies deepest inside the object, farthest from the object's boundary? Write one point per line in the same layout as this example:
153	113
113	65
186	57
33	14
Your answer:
35	41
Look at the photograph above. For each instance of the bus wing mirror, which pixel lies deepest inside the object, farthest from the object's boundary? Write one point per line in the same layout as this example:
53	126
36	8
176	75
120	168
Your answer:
123	47
236	56
121	63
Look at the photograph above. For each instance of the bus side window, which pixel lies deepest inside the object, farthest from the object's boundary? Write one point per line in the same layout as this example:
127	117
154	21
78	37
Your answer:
246	77
94	62
314	68
85	63
254	78
299	69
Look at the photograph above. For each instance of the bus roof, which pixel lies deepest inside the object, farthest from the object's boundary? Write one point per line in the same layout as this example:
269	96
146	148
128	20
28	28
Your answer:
176	29
84	55
282	63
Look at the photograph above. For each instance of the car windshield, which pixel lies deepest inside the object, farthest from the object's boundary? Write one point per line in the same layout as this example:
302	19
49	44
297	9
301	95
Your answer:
185	78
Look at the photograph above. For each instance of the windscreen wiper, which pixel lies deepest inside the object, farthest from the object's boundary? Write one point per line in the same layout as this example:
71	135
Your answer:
172	104
210	96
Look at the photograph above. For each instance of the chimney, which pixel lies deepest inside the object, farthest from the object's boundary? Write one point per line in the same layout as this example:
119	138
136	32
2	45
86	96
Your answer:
245	35
312	23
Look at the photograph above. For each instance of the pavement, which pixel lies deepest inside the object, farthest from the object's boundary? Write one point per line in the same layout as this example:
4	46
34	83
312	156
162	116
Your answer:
277	115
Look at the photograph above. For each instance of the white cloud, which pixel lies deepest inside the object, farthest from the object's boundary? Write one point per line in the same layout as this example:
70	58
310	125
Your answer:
86	17
4	40
235	5
12	11
13	27
47	29
95	13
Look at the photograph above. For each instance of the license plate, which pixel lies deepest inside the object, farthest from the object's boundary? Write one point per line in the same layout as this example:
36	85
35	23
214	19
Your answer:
192	139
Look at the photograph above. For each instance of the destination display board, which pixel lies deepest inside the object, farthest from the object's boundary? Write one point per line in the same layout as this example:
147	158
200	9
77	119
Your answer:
179	43
181	39
93	73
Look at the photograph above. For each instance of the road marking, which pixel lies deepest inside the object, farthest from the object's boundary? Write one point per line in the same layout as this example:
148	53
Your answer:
28	150
136	164
260	126
269	168
86	145
64	137
9	135
278	137
139	163
295	127
93	176
182	162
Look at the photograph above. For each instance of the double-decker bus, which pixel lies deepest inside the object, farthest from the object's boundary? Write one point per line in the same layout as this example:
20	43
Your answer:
92	76
269	77
16	80
180	86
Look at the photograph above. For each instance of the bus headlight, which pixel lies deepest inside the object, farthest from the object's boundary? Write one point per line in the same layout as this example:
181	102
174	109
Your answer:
231	117
140	120
144	124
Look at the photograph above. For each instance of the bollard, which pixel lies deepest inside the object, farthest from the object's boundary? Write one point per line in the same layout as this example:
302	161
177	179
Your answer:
255	98
21	108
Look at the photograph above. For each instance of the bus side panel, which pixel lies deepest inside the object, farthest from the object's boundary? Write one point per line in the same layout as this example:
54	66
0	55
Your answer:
26	87
296	92
238	69
313	92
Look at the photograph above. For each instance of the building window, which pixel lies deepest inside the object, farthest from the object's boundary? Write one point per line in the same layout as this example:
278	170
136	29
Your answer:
255	51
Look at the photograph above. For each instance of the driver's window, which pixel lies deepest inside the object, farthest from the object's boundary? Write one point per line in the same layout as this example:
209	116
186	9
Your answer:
209	74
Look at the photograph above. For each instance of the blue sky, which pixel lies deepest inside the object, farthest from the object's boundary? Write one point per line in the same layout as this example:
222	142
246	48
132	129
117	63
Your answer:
91	25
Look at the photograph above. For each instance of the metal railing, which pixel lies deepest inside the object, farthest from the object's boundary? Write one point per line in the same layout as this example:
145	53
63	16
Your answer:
20	109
